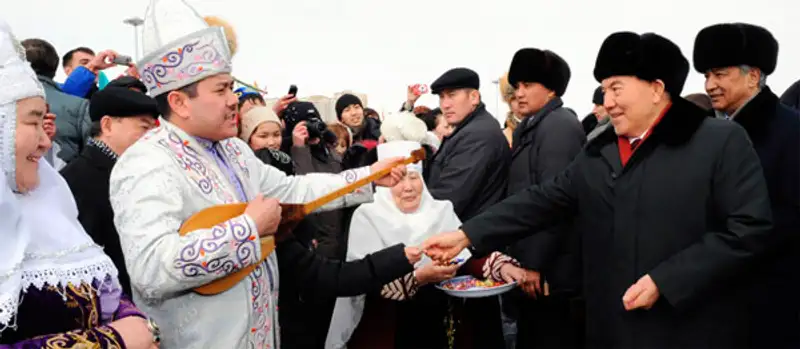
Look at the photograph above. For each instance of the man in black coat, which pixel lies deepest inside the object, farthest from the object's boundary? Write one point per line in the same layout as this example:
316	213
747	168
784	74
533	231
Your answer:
120	116
672	207
545	142
471	166
471	170
736	59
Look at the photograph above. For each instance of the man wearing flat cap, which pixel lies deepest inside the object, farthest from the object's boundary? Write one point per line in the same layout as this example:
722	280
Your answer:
120	117
471	166
544	143
470	169
736	59
671	205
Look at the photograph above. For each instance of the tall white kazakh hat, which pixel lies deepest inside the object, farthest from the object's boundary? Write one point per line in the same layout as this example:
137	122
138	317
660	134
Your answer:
180	47
18	82
402	149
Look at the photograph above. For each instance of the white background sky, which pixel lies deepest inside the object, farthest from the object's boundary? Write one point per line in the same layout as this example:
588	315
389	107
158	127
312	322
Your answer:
380	47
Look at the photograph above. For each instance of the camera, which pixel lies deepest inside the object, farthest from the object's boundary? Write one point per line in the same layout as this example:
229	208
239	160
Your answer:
297	112
122	60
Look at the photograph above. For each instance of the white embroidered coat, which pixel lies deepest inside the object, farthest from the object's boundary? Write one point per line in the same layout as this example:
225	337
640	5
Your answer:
161	181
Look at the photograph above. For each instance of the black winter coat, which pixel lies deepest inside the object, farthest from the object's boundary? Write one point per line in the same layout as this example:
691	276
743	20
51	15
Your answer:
544	145
690	208
775	131
471	166
88	178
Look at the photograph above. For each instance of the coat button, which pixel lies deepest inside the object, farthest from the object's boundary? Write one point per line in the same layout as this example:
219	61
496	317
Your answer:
613	175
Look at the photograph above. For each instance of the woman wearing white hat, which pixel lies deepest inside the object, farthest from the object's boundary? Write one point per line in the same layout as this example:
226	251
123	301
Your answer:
57	287
407	313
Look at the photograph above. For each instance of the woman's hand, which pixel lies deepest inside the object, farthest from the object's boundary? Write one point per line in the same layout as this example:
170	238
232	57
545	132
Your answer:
528	280
433	273
414	254
134	333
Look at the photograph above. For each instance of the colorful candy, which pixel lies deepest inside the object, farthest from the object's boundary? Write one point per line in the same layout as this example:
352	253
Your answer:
470	283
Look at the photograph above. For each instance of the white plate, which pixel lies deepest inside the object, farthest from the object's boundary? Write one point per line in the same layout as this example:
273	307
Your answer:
475	292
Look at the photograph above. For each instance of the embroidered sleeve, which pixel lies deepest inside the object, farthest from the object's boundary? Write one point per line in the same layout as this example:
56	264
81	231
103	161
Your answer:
149	208
103	337
127	308
491	265
401	289
305	188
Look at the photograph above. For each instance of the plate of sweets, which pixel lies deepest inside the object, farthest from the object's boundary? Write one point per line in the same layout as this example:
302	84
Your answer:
469	287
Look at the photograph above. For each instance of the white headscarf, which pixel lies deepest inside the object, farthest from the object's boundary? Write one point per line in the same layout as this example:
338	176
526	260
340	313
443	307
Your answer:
42	240
381	224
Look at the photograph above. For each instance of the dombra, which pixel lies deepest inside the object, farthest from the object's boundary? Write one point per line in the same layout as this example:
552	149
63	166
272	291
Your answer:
291	215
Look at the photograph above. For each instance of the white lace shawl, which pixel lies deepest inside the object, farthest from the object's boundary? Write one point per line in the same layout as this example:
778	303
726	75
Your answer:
42	241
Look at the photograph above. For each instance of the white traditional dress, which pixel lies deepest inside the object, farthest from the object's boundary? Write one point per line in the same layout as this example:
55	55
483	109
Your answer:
164	179
168	176
57	287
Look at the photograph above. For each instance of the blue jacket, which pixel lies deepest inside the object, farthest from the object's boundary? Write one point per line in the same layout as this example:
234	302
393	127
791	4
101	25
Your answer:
79	83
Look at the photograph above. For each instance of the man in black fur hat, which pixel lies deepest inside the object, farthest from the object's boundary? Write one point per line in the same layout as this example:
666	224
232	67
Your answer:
671	205
544	143
736	60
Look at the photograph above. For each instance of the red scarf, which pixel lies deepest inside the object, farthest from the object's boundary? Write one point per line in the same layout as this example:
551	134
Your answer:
624	143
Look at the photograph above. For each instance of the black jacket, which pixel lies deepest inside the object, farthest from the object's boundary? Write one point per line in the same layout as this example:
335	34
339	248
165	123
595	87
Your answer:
690	208
775	131
471	166
791	97
544	145
88	178
310	282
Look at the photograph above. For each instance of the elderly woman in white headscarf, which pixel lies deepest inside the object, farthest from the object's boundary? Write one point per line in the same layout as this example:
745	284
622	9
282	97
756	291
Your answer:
57	287
408	312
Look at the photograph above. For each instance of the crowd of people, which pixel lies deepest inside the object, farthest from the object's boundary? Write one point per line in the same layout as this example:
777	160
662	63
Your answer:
656	221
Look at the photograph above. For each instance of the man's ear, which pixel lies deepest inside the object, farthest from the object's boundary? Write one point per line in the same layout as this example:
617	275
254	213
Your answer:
659	90
106	124
474	97
178	103
753	77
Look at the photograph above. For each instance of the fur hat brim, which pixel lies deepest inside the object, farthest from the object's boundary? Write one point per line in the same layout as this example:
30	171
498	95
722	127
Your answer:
649	57
733	44
544	67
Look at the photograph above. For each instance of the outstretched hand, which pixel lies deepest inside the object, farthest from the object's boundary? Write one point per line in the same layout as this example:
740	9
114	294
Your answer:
444	247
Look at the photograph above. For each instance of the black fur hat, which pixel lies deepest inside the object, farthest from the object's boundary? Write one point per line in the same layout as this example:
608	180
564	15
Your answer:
648	57
544	67
733	44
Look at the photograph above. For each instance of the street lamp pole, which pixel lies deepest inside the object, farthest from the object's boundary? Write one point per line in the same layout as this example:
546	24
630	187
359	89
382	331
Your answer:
497	99
135	22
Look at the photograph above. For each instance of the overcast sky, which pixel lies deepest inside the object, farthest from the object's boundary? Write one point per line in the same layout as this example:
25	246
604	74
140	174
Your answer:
380	47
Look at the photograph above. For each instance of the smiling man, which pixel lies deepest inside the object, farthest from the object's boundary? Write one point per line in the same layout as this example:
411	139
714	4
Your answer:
671	205
194	161
736	59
